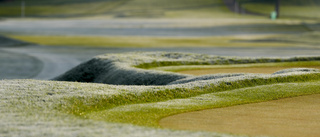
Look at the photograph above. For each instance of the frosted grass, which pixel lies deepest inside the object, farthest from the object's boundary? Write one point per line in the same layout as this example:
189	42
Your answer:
126	69
39	108
28	109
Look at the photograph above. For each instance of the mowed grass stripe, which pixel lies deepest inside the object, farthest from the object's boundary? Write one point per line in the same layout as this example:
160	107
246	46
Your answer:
136	41
264	67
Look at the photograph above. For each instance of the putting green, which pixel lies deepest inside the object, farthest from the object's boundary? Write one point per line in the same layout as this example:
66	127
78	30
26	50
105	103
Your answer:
294	117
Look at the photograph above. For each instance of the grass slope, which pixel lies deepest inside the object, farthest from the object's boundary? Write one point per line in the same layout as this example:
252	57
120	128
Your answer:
56	108
148	114
187	87
126	69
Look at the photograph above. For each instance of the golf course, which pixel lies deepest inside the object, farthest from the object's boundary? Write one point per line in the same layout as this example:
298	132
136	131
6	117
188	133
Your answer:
159	68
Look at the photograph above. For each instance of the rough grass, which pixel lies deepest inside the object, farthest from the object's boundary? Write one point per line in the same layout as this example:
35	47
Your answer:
53	108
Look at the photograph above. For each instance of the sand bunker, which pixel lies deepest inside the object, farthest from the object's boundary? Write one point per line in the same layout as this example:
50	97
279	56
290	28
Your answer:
292	117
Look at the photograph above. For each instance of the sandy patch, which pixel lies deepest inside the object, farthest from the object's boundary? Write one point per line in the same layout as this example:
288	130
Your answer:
291	117
265	70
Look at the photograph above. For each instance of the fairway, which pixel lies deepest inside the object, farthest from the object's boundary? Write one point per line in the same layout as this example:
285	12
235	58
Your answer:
291	117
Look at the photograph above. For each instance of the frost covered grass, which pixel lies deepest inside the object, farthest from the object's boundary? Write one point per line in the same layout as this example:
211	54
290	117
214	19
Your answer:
130	69
37	108
125	69
30	108
123	108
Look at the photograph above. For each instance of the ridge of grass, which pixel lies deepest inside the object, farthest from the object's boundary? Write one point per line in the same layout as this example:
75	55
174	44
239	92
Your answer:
235	66
84	106
130	69
149	114
296	61
73	105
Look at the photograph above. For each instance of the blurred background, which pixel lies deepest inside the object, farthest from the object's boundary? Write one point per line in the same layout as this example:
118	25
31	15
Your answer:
41	39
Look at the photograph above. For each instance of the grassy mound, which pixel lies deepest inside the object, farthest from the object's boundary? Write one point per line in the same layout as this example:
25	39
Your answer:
56	108
109	71
124	69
